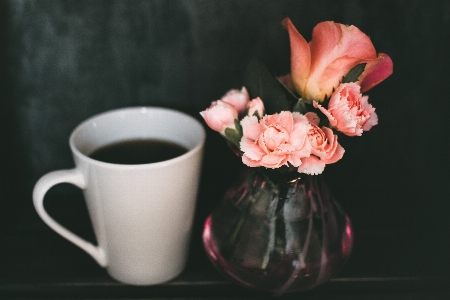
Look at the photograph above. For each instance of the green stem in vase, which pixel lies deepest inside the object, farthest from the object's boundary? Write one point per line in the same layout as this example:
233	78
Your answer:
230	246
277	239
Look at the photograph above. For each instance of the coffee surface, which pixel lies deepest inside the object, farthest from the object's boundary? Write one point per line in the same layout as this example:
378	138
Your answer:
142	151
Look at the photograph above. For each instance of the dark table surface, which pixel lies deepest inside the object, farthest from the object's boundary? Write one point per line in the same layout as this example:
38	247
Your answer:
38	263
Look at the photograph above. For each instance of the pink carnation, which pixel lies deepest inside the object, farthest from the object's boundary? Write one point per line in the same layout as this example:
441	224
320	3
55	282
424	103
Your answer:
325	148
349	111
275	140
238	99
219	116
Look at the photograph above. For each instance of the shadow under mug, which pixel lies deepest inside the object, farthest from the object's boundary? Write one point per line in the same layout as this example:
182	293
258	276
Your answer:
142	215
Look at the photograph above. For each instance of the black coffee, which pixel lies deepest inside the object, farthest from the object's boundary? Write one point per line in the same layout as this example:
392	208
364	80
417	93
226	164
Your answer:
134	152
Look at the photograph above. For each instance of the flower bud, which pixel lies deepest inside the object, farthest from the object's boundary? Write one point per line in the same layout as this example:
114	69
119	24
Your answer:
219	116
238	99
255	107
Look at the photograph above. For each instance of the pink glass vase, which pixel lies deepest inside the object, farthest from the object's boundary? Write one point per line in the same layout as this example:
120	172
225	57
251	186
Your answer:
278	233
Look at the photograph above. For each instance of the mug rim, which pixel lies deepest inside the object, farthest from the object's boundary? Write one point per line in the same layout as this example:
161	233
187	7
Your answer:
77	152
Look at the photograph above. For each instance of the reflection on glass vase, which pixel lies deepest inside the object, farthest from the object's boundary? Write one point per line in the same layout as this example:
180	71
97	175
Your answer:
278	233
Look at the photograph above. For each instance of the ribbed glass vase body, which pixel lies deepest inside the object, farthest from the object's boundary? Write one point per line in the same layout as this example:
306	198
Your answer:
278	233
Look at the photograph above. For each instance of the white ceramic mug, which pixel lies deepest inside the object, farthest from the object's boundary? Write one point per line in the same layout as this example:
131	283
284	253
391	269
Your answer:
142	215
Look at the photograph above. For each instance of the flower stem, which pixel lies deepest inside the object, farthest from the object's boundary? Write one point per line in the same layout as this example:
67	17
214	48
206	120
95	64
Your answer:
230	247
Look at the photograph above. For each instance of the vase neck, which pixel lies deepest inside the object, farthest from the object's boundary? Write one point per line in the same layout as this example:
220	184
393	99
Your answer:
280	177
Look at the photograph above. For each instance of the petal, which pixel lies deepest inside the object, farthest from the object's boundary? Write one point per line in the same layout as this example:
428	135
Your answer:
333	73
328	133
294	160
284	118
256	106
304	151
300	56
346	118
299	136
238	99
285	149
331	41
274	137
372	121
333	121
338	154
299	118
251	128
251	149
311	165
312	117
287	120
332	144
219	116
339	48
273	160
376	71
250	162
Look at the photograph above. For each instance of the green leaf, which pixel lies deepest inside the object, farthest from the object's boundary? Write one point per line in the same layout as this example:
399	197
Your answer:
291	97
237	125
256	114
300	107
260	82
354	73
234	135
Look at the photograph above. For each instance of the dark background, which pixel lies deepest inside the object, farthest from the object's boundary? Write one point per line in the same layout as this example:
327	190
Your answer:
64	61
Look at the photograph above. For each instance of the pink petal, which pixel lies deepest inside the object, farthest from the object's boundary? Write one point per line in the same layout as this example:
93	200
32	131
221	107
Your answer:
331	144
311	165
338	151
298	137
255	106
328	133
274	137
312	117
219	116
284	118
346	119
249	162
284	149
238	99
251	128
300	56
338	44
304	151
294	160
372	121
338	154
272	160
331	41
302	145
333	73
251	150
376	71
333	121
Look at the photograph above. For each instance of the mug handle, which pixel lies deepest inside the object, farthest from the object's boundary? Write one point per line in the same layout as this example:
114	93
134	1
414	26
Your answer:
72	176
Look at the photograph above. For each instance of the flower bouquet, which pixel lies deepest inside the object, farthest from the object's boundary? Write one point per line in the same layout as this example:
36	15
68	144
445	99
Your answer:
278	228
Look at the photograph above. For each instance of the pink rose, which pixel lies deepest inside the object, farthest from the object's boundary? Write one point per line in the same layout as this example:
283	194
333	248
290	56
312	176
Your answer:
238	99
275	140
317	67
349	111
219	116
325	148
255	106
